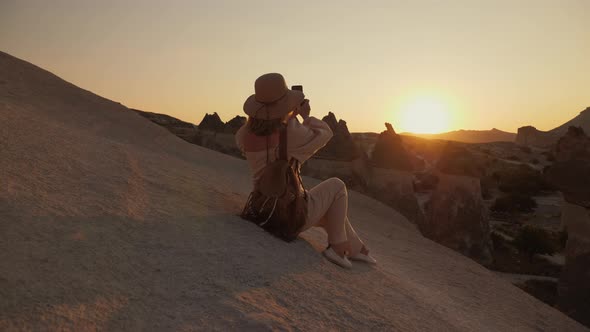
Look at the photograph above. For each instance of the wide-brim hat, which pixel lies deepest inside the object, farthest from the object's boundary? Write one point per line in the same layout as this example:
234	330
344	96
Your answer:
272	98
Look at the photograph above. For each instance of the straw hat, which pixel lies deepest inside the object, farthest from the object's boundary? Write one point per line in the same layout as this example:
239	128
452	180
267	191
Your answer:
272	98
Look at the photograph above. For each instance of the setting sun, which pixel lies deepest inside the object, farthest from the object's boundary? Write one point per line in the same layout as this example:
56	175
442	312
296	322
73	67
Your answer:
424	115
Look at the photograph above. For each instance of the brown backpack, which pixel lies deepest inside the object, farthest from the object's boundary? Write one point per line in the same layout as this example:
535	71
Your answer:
278	203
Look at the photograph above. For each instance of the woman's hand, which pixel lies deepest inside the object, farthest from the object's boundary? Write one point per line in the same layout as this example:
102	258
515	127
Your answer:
304	109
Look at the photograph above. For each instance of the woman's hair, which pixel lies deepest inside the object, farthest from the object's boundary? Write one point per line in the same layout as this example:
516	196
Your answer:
261	127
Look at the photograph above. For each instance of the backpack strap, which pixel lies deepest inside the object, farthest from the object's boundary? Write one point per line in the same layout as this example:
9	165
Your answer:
283	143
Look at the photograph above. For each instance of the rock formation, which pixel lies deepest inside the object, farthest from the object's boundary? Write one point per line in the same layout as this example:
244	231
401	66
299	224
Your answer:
232	126
531	136
212	122
571	170
341	157
456	159
341	146
425	182
571	174
395	188
456	214
391	180
389	151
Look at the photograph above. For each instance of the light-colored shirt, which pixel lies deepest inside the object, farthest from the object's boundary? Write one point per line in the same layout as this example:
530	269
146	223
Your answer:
303	140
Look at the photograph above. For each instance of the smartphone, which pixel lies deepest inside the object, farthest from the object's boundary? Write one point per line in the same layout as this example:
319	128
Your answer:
297	87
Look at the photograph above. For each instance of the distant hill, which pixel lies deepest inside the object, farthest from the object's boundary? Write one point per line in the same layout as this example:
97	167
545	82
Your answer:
471	136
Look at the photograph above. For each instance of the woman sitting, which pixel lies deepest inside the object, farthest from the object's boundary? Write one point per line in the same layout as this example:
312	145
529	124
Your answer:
273	110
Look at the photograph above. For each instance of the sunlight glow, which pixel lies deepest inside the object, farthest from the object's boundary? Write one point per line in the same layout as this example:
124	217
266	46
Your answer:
424	115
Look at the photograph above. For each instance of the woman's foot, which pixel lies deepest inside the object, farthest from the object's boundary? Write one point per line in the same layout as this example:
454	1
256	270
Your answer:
364	256
337	259
342	248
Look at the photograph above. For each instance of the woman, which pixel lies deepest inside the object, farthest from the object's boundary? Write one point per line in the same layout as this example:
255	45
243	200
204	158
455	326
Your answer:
272	106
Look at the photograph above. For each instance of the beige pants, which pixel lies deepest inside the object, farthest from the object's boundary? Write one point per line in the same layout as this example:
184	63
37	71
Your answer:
327	206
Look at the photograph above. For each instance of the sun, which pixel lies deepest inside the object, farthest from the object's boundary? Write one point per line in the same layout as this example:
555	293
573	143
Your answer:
424	115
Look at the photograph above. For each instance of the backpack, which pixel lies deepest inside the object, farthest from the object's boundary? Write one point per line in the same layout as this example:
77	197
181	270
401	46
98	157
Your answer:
278	203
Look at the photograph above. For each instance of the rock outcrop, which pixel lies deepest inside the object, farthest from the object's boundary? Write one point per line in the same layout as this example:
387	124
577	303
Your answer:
456	215
212	122
531	136
396	189
232	126
571	170
341	146
425	182
571	174
185	130
456	159
391	180
389	151
340	157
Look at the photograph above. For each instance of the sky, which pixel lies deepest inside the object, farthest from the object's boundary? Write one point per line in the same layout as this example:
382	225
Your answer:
425	66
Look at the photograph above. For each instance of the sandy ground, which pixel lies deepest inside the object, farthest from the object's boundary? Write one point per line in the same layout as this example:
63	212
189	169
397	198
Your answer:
108	222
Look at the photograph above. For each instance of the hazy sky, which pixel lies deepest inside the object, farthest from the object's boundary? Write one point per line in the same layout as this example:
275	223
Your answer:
457	64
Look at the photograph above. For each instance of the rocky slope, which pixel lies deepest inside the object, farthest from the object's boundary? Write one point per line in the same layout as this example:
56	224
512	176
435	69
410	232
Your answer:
109	222
185	130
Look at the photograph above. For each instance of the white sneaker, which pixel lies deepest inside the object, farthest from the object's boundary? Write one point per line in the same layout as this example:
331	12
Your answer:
364	258
333	257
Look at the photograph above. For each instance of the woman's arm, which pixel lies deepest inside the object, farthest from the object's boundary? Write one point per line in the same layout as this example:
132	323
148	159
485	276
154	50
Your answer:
305	139
239	137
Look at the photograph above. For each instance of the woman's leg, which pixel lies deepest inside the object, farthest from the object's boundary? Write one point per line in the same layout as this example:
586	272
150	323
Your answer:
356	244
328	208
